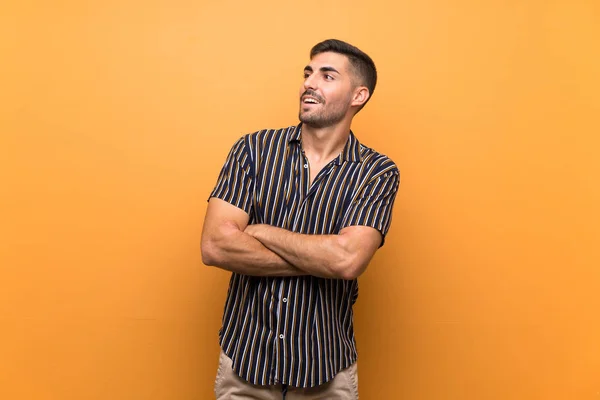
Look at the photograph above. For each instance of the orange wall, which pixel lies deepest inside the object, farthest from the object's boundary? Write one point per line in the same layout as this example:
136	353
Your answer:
115	119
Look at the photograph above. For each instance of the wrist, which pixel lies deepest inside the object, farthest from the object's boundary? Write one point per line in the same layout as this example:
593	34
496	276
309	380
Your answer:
255	230
261	232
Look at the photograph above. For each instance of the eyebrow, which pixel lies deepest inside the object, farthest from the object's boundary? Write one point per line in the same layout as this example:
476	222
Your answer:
322	69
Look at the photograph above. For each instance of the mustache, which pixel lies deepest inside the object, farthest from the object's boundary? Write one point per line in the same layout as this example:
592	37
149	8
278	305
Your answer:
312	93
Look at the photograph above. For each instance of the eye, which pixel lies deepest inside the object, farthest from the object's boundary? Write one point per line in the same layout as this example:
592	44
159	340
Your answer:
328	77
306	75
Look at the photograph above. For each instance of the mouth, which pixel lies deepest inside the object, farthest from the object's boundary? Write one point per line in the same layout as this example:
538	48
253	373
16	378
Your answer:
308	100
310	97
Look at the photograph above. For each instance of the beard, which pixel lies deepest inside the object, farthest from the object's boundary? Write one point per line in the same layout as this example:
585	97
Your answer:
322	117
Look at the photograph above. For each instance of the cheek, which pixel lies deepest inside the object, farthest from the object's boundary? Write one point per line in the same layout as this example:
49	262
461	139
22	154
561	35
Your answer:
338	98
339	94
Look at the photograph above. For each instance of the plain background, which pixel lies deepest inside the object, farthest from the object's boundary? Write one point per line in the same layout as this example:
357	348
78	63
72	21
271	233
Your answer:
116	117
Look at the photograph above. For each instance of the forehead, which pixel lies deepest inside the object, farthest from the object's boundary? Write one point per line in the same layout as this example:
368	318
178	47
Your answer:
329	59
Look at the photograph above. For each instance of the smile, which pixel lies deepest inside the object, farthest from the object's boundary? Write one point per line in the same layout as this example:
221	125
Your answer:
310	100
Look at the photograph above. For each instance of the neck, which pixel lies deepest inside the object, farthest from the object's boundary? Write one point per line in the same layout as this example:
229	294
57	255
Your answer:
325	143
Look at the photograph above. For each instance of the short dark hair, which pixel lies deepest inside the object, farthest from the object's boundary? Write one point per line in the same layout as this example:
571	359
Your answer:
362	64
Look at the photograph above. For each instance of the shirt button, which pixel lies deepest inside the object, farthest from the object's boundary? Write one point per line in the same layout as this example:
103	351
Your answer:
280	336
305	165
285	300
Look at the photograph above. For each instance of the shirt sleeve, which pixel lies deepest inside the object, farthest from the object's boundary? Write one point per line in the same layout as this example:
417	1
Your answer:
373	207
235	182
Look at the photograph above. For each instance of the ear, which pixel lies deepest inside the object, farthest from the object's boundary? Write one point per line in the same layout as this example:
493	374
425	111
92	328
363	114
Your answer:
360	97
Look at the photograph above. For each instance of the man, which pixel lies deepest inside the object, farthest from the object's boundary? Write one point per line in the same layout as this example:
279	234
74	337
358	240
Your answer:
296	216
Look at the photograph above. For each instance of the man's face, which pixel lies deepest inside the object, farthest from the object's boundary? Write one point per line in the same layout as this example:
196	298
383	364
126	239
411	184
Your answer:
327	91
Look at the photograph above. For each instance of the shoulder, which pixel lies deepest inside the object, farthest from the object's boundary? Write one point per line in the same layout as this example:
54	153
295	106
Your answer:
379	165
270	136
256	142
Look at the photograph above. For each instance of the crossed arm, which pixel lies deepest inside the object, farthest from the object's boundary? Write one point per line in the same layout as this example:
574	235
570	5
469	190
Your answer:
228	242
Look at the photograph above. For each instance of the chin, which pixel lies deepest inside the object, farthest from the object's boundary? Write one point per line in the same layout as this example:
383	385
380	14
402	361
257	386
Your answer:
304	117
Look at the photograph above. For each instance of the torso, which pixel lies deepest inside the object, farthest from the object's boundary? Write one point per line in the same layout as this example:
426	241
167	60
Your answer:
315	167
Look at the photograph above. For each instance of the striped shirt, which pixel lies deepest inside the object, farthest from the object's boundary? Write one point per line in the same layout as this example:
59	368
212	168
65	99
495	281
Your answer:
298	331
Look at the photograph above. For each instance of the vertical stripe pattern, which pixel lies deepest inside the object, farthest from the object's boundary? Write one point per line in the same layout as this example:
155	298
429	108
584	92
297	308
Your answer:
298	331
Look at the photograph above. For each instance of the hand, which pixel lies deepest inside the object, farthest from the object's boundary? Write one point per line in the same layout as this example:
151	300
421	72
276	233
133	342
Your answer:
253	230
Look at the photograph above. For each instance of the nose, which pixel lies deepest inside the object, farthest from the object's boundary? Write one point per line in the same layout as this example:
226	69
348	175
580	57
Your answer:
310	82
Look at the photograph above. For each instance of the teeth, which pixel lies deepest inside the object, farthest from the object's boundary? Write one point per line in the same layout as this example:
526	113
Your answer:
309	100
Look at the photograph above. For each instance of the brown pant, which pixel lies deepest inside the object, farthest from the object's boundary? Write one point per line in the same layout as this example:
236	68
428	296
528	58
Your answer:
229	386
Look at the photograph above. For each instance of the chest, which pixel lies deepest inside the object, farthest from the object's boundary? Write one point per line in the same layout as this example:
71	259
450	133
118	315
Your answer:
294	193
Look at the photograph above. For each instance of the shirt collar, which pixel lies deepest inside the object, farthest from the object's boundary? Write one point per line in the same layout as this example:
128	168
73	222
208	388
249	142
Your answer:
351	151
